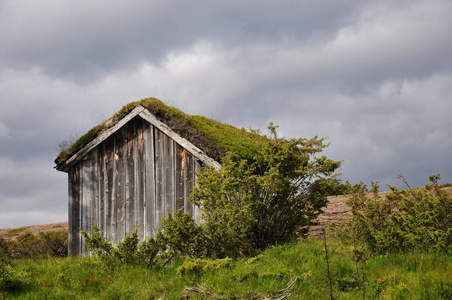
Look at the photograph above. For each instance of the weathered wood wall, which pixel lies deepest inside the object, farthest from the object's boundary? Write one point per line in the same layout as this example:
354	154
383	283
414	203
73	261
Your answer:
132	179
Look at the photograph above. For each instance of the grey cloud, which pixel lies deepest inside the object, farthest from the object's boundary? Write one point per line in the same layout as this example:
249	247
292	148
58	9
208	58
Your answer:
90	39
29	188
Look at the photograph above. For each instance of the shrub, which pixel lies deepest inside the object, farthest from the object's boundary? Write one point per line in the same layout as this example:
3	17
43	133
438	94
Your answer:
248	205
419	218
53	243
182	235
96	243
128	251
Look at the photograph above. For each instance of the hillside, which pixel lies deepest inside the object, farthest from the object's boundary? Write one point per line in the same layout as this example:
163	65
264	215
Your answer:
35	229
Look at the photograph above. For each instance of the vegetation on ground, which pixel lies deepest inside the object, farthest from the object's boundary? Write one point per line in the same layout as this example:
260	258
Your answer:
410	275
295	270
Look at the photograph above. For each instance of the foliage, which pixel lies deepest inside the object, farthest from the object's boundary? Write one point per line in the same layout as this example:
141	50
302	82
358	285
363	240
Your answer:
182	235
126	251
11	279
150	249
129	250
251	204
52	243
419	218
4	248
96	243
178	236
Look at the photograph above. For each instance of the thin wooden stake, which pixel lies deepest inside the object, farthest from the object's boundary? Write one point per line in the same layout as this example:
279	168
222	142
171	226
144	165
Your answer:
327	264
364	284
355	258
358	256
3	278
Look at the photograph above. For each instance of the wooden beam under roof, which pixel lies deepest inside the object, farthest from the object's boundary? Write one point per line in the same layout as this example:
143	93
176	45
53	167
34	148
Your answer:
141	111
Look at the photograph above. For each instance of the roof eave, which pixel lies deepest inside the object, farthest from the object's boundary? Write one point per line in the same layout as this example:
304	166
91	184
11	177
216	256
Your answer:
144	113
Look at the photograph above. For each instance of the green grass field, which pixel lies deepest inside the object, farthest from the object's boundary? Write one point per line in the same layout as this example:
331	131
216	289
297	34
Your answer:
395	276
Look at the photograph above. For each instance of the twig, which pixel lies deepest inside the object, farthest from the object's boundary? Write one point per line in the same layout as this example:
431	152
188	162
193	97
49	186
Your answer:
355	258
284	293
364	283
3	278
403	179
358	256
208	292
327	264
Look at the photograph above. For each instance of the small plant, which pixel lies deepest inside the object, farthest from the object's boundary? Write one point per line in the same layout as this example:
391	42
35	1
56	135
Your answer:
11	280
199	266
128	251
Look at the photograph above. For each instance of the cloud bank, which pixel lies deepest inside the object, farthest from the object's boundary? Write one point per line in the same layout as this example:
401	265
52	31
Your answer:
372	76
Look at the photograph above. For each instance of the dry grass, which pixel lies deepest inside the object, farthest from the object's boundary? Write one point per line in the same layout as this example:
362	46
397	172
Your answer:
34	229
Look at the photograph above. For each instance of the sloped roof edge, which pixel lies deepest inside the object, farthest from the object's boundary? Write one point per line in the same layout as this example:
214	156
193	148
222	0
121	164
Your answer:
144	113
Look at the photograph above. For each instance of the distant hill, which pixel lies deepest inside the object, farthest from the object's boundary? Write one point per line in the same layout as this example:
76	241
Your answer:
35	229
335	212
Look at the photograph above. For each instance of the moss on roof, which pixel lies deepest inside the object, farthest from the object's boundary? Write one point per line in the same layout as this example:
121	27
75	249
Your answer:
212	137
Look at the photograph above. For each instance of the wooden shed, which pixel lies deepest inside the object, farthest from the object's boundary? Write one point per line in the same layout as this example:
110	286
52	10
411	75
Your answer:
129	172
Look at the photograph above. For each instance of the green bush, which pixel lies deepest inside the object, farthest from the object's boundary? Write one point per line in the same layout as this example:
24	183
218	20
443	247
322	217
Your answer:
182	235
128	250
248	205
419	218
52	243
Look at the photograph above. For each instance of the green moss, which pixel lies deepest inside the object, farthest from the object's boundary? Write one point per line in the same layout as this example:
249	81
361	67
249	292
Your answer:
213	137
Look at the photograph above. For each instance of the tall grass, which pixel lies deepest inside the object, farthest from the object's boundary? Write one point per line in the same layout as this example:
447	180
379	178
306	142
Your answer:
413	275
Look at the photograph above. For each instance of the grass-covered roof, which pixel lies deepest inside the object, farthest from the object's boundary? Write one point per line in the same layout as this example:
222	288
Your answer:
212	137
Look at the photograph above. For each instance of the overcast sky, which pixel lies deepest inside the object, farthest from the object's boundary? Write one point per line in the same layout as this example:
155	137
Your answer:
375	77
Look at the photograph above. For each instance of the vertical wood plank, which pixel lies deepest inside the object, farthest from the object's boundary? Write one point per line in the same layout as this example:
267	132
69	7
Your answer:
87	197
169	175
159	179
102	188
188	181
180	176
140	173
150	197
196	212
74	211
110	189
95	200
119	198
130	177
